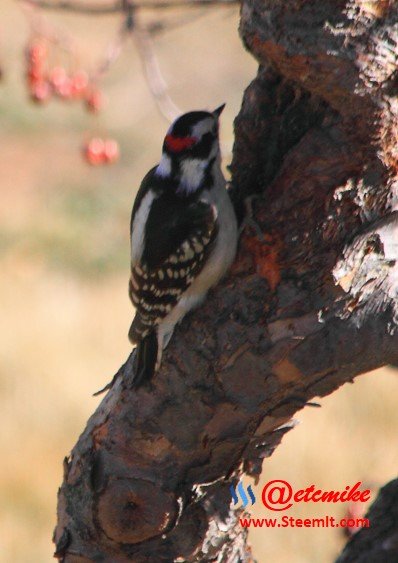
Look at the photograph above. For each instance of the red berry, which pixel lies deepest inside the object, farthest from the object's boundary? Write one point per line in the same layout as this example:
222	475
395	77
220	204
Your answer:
94	101
34	74
94	151
61	82
57	76
64	89
79	84
111	151
40	92
37	52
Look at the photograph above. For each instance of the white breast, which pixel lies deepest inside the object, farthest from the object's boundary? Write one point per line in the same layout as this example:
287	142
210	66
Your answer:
220	259
192	173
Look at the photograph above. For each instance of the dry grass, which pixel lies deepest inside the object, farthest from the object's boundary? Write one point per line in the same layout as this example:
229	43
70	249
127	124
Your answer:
348	440
65	311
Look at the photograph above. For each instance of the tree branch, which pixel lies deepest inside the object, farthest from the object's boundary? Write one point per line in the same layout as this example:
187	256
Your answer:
119	6
156	83
308	306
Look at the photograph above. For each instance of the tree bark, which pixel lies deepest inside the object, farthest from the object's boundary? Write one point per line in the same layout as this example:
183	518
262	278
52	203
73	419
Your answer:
311	301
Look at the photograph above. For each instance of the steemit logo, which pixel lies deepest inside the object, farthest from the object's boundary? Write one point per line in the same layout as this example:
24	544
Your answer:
242	493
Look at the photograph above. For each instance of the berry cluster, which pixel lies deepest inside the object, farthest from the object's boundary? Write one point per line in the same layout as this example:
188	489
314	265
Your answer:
43	83
101	151
39	88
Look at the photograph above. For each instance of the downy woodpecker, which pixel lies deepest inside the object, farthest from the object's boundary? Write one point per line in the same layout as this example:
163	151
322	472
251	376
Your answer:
183	235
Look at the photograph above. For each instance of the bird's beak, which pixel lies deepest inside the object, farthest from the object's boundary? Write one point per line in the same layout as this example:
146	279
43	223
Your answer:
217	112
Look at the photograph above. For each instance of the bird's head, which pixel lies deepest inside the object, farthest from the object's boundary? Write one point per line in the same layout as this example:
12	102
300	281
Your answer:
190	148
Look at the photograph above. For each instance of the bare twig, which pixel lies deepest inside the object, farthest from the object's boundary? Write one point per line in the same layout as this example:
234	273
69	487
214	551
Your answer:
118	6
143	44
153	74
40	26
112	54
159	26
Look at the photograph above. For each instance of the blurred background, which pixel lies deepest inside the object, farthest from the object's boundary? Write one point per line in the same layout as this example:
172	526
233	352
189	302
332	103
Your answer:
64	262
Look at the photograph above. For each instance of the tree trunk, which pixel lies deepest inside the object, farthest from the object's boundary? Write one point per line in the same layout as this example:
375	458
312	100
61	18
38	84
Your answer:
311	301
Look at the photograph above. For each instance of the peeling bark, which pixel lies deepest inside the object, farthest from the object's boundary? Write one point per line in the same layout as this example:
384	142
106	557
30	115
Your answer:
308	305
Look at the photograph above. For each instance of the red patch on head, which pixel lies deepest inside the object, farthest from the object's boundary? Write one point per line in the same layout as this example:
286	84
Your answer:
178	144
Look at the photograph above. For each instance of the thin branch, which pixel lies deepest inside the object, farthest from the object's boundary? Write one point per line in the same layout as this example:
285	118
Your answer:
40	26
157	27
153	74
116	7
113	52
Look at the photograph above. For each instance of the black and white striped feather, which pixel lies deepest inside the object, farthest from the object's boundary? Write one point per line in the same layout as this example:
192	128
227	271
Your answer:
175	241
183	235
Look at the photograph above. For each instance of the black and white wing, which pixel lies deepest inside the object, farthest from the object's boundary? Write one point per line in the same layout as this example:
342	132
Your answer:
171	241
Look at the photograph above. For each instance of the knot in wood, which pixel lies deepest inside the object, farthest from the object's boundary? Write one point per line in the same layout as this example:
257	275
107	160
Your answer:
134	510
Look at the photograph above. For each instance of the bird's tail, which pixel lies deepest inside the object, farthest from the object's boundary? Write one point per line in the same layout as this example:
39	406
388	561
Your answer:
145	359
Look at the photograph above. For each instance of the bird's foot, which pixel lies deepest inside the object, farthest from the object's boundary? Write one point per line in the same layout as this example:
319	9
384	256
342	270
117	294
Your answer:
248	220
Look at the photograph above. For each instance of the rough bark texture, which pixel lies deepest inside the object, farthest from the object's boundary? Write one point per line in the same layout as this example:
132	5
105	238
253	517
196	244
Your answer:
309	304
